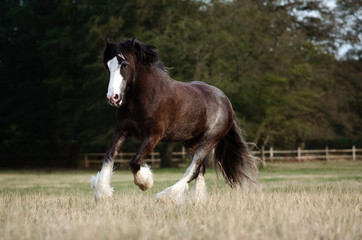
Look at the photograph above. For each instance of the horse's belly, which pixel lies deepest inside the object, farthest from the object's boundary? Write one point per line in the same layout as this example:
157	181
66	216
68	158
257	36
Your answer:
184	132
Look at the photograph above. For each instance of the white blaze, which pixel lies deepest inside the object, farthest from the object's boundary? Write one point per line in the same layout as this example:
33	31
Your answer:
116	79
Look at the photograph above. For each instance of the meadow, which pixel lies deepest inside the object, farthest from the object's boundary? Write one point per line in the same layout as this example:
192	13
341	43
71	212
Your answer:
309	200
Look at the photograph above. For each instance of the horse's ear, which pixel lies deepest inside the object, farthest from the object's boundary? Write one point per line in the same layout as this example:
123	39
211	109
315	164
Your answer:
136	46
106	41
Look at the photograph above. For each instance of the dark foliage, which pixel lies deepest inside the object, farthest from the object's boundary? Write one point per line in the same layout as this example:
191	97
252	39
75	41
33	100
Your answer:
280	71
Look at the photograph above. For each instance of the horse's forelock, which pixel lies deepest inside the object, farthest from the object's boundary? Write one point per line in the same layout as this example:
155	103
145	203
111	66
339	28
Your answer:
110	51
145	53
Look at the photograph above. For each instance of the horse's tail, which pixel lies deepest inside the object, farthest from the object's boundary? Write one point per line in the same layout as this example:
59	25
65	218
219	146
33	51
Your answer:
234	159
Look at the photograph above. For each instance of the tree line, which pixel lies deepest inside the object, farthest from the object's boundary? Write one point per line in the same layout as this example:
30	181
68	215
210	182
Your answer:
279	70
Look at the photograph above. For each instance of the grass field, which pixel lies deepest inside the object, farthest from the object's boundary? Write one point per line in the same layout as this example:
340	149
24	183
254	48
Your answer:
315	200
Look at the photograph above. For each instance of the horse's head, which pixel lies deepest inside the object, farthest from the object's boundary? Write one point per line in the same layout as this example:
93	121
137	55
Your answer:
120	61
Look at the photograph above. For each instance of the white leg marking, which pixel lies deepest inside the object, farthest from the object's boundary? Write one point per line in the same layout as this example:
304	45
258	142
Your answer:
144	178
101	182
199	193
178	192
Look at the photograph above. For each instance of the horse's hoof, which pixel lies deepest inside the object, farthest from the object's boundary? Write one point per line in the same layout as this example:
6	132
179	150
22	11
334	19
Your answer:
143	178
176	193
145	187
102	190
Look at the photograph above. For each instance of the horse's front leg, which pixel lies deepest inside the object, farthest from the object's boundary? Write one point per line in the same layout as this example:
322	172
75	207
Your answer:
141	172
101	182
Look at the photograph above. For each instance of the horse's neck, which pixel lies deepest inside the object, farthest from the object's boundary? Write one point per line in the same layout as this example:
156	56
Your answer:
150	81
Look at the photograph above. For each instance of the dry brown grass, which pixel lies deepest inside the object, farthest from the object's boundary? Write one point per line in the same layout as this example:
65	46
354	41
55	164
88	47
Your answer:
292	204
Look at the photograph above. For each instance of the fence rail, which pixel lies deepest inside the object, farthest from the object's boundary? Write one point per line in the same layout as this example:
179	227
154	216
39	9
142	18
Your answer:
268	155
123	158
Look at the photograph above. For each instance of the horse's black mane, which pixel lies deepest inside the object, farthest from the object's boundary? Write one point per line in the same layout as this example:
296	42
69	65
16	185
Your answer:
145	53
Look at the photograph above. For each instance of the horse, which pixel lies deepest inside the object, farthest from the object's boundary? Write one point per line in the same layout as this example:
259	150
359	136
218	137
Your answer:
153	107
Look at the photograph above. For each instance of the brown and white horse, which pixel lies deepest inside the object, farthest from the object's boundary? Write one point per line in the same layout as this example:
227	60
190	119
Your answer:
153	107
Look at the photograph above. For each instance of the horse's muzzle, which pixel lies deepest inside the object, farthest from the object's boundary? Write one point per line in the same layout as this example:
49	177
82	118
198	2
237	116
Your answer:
115	100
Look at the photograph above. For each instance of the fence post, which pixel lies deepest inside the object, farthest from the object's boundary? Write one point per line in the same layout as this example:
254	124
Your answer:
183	157
120	156
354	153
299	154
271	154
263	157
86	163
326	153
153	158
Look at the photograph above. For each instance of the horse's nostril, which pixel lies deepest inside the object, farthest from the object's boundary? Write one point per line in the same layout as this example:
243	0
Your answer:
115	97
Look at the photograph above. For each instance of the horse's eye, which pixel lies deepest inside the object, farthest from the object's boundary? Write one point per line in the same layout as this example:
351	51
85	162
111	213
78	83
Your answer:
124	65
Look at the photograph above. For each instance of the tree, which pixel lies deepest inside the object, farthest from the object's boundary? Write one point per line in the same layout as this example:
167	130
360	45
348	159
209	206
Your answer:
279	70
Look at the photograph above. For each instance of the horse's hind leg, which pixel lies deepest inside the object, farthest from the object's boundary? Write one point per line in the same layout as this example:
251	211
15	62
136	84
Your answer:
198	193
176	192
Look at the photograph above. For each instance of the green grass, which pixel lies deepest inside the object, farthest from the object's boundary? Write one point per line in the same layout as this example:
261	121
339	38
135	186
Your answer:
308	200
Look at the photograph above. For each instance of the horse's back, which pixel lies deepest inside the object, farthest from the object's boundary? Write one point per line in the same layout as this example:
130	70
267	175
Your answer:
209	92
204	108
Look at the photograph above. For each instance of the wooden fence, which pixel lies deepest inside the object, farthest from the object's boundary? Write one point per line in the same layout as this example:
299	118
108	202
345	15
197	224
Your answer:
123	158
309	155
269	155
